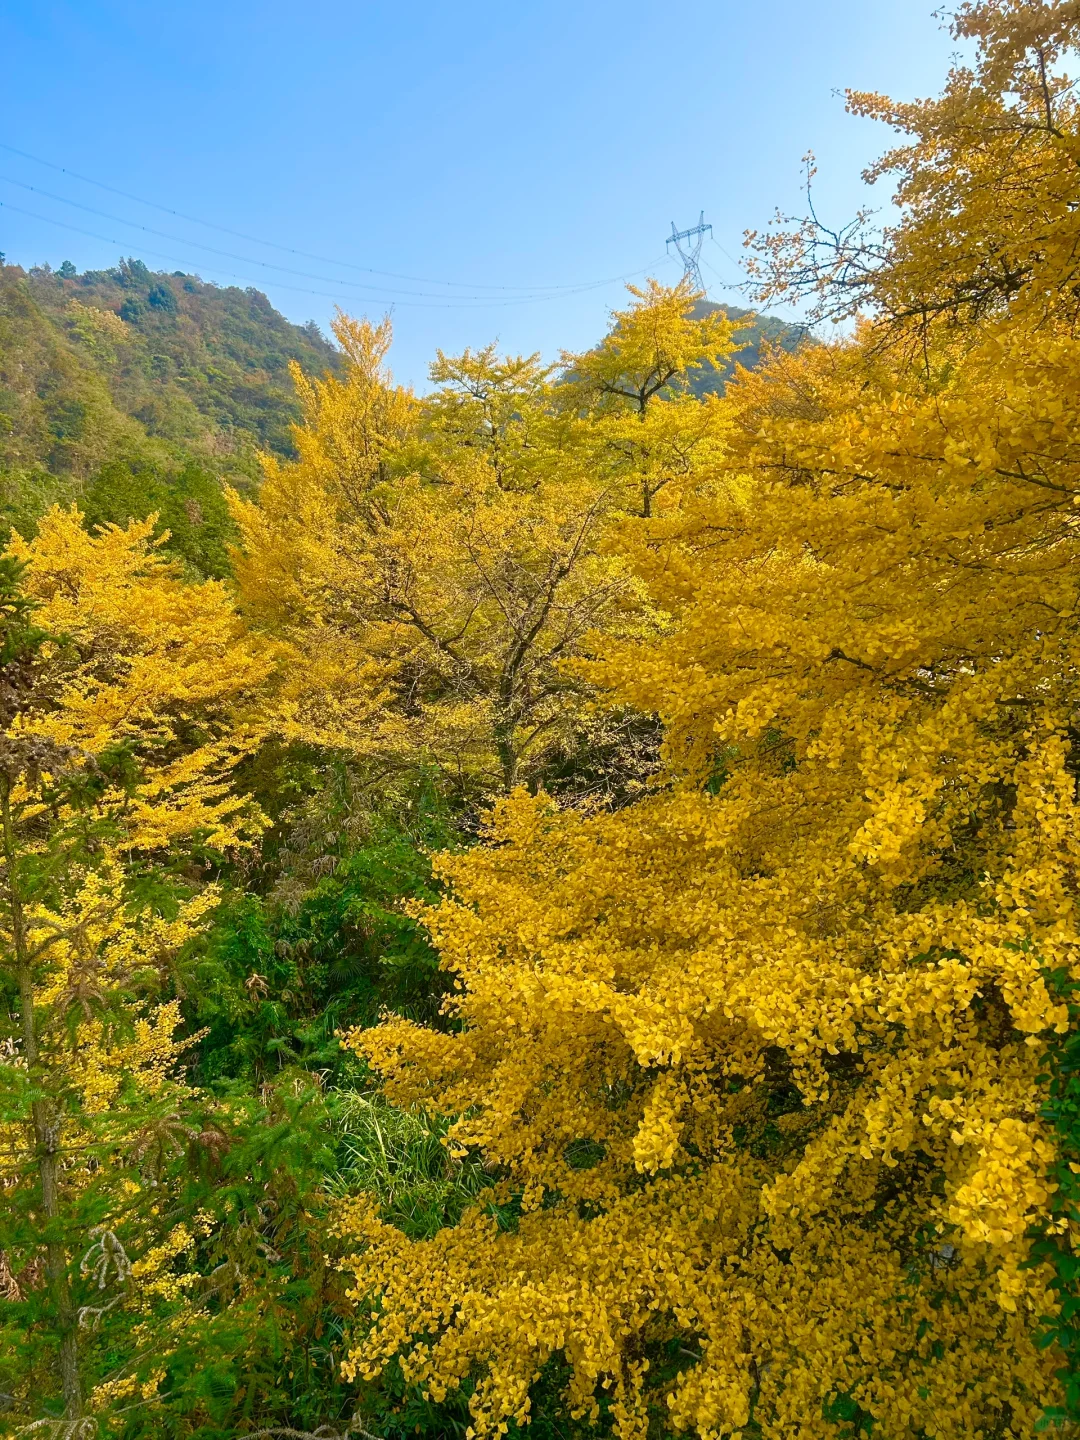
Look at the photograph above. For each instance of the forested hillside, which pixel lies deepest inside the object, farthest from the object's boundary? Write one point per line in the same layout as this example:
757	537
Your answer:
552	905
757	335
131	391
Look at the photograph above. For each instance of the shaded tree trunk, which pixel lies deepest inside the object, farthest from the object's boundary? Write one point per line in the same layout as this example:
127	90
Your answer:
46	1125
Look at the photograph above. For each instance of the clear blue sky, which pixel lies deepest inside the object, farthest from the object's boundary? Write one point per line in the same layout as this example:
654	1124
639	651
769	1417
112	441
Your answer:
515	143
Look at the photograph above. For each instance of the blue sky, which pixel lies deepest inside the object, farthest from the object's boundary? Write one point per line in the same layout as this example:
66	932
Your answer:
470	145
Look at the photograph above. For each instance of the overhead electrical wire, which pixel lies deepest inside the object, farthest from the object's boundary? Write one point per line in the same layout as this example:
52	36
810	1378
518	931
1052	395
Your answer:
462	303
284	269
724	283
288	249
723	251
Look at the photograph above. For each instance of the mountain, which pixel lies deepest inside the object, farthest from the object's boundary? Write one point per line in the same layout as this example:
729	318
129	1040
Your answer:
760	334
130	390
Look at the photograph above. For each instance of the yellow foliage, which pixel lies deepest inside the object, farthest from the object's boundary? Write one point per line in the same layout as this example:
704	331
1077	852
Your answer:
650	348
121	731
100	330
431	566
142	658
755	1061
115	1058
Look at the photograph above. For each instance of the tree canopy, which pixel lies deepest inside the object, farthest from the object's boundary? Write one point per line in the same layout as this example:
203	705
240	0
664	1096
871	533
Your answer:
554	901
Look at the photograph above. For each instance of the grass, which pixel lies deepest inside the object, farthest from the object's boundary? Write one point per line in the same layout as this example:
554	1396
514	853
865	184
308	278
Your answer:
401	1157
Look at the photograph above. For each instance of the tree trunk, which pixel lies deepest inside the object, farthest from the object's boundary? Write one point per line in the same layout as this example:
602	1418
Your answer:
46	1123
508	756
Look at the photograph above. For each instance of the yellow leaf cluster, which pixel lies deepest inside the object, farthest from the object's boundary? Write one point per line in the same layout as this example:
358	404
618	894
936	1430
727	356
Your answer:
755	1062
141	658
430	566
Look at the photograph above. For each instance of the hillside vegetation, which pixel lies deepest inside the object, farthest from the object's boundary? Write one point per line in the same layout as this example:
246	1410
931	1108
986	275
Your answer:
553	906
757	336
129	391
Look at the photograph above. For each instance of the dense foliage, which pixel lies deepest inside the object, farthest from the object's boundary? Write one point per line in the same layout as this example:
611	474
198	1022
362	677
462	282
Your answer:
760	1060
557	905
134	392
759	335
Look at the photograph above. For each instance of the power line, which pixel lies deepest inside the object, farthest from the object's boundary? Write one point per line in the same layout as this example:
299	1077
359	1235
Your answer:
722	250
290	250
455	304
724	284
269	264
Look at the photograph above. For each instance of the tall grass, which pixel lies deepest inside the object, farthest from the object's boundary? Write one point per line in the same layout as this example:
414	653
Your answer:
401	1157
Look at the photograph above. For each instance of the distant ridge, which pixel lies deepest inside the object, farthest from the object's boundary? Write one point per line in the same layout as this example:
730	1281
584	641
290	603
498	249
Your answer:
198	355
129	391
760	334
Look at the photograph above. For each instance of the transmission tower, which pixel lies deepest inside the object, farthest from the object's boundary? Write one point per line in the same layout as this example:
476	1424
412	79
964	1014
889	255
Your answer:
690	256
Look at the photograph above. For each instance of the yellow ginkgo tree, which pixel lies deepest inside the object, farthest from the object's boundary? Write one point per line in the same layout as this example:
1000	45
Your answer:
127	698
757	1064
431	565
648	430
